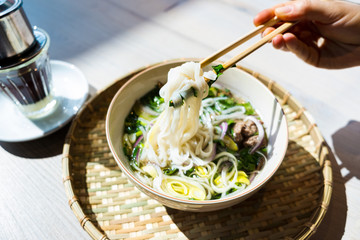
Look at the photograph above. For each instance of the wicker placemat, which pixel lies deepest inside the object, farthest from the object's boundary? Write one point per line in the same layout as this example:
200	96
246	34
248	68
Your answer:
108	206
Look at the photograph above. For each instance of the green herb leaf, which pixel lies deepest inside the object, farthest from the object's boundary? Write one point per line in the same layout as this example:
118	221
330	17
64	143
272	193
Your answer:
216	196
227	103
231	190
127	150
135	152
218	69
219	142
248	162
153	99
134	165
170	171
212	92
190	171
249	109
131	123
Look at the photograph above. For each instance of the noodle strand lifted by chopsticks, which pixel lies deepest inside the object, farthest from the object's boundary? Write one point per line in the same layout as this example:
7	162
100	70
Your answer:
177	137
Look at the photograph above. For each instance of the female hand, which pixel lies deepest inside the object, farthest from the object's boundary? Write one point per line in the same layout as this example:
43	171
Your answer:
327	36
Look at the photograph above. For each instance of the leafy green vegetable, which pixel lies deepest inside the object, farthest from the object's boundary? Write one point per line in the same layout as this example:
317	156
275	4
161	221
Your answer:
152	99
230	101
135	152
227	103
139	133
134	165
219	143
263	150
230	121
225	93
217	92
190	171
170	171
127	150
215	196
218	69
231	190
249	109
212	92
132	123
184	95
246	161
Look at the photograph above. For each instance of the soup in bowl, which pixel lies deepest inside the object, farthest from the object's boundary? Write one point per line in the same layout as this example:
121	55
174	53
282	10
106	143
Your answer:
196	147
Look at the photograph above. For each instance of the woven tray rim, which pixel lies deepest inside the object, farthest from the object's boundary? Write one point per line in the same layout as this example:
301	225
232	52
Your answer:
285	98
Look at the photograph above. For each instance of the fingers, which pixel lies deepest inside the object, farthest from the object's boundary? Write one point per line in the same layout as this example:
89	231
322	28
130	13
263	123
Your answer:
267	31
320	23
299	48
289	42
266	14
324	12
263	16
279	42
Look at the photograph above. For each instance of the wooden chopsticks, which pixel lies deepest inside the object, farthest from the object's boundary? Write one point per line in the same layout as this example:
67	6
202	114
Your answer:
282	28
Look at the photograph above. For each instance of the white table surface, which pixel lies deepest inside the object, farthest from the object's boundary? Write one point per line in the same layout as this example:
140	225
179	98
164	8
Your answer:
107	39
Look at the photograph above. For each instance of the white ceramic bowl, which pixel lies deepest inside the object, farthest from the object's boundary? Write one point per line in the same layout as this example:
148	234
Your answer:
240	83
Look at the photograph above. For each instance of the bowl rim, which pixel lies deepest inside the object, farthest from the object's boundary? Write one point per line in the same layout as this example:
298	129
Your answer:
241	194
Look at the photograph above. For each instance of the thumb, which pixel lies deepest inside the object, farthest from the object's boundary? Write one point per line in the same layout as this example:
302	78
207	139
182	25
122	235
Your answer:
322	11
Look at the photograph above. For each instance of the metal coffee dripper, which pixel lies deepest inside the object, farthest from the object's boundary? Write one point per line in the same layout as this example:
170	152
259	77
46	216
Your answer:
16	33
25	74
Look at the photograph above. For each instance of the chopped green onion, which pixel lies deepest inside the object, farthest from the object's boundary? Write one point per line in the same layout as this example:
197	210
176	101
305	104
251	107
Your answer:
218	69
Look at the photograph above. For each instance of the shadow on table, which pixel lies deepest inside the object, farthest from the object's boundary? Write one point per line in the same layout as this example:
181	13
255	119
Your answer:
333	224
346	145
86	24
47	146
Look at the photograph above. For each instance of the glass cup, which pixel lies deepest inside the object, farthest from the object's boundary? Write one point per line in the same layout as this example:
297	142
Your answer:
28	83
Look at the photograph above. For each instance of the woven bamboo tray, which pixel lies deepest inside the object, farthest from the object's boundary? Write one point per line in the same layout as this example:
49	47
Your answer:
290	206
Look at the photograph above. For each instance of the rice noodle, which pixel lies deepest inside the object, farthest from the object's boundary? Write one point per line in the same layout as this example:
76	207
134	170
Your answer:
177	135
182	138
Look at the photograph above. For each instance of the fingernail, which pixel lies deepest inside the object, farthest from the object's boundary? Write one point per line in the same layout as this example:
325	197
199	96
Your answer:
283	10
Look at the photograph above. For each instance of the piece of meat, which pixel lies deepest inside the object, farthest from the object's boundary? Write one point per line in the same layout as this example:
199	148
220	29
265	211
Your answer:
250	142
249	129
243	130
237	130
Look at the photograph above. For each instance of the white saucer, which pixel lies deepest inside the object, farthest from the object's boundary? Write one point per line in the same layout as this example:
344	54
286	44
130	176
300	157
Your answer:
71	90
